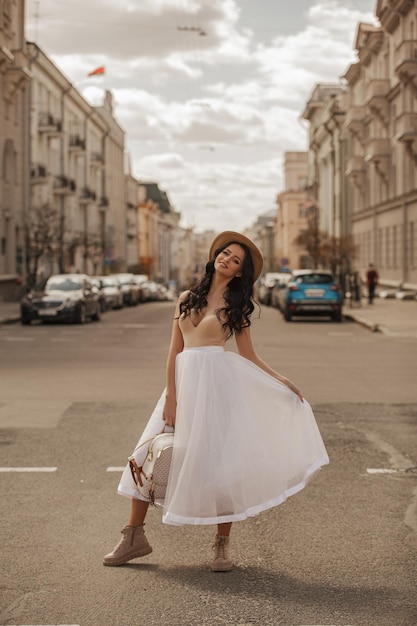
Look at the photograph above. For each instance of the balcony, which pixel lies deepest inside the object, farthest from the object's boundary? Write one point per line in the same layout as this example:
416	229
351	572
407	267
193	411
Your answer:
49	125
405	60
377	149
406	127
63	186
6	56
407	133
87	195
76	143
376	99
38	174
378	152
389	12
355	165
356	172
103	202
354	121
14	78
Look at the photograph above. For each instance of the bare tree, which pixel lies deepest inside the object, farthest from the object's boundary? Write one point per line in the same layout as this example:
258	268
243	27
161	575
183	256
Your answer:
324	250
41	235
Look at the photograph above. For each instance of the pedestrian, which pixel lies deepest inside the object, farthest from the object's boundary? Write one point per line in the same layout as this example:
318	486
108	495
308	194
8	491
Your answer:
371	282
244	439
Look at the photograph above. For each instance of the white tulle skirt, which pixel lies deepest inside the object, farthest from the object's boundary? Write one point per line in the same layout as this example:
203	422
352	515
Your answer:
243	441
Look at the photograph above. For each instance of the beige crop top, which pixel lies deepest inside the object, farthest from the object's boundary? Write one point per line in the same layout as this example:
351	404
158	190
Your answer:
208	332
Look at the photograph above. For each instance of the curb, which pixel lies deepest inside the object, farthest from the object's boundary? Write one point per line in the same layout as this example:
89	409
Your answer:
10	320
374	328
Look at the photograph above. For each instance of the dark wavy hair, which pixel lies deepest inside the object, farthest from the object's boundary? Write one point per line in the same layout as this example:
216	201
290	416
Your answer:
238	296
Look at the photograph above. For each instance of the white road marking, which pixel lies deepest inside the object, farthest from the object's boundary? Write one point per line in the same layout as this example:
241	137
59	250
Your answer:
115	468
19	339
28	469
382	470
61	340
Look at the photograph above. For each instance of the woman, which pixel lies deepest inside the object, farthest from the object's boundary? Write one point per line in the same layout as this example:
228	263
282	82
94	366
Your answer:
245	439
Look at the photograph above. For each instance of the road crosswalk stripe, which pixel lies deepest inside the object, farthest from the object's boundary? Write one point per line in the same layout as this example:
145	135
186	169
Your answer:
28	469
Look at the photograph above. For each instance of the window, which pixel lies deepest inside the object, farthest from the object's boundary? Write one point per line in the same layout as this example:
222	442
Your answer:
394	247
302	209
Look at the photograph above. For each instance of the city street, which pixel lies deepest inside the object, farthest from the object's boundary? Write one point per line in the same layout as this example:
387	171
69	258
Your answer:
73	402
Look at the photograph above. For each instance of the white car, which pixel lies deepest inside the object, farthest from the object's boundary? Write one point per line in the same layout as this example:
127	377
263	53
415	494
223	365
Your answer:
268	282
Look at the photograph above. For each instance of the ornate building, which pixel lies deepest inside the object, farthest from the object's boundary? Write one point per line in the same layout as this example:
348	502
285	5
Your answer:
381	118
14	164
77	207
363	147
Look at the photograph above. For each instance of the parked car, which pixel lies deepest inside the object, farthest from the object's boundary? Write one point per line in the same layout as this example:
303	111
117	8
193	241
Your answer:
130	289
279	284
97	288
66	297
140	280
112	292
311	292
266	285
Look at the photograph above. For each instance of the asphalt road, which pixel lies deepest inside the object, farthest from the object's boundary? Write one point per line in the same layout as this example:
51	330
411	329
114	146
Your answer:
73	399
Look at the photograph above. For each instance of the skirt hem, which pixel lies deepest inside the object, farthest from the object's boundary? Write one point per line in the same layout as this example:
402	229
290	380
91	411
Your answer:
178	520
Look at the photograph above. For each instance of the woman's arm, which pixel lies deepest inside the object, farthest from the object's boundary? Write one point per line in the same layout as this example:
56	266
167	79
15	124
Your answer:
176	346
245	347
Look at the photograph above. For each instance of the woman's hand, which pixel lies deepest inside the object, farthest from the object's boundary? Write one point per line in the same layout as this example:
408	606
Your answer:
169	411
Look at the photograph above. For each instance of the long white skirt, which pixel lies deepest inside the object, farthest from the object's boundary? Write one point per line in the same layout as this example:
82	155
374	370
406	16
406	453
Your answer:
243	441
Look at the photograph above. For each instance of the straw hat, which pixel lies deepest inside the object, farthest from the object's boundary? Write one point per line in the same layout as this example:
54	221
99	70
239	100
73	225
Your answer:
229	236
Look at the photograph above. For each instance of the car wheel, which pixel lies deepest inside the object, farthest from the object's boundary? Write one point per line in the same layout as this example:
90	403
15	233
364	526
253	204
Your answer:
337	317
25	320
80	316
287	315
97	315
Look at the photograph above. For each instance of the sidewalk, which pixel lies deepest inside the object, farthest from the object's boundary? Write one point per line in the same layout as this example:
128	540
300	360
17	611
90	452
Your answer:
392	317
9	312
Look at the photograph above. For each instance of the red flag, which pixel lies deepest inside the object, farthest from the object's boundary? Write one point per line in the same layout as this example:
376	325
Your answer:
98	70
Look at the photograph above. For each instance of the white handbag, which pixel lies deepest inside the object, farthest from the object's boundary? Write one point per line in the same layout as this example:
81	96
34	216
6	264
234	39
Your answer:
151	477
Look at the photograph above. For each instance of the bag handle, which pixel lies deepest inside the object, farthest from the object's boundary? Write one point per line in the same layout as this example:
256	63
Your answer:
148	440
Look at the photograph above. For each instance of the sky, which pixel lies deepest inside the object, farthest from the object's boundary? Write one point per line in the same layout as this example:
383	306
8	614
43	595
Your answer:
208	92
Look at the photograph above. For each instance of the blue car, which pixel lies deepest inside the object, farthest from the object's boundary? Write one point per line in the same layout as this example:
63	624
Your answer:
311	292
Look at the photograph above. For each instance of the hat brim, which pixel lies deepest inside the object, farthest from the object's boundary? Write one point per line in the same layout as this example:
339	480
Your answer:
229	236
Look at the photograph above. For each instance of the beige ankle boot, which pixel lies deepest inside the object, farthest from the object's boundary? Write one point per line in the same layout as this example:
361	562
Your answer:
132	545
221	561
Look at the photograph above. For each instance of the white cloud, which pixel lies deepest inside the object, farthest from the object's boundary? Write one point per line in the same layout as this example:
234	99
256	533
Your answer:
208	109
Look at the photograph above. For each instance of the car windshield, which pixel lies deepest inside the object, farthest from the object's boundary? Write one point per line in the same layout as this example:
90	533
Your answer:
67	284
314	279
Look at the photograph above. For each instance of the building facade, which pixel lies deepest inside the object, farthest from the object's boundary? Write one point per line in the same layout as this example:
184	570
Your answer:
14	165
157	225
381	117
363	148
292	213
77	204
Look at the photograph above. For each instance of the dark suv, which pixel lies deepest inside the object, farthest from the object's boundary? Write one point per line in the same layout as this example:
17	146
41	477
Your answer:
66	297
